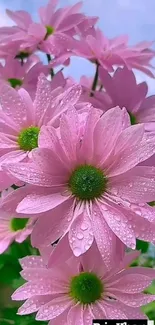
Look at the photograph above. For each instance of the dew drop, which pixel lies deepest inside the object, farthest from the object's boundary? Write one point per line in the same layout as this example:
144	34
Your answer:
80	235
77	251
84	226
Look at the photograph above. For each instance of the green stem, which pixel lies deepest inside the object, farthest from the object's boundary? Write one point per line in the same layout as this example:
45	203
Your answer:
94	85
49	60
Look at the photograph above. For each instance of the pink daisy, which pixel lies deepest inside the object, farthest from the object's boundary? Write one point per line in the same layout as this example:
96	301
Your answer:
122	89
109	52
82	289
12	228
85	179
21	119
55	25
25	76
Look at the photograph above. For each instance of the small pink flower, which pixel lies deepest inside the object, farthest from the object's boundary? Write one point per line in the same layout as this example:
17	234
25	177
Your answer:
109	52
122	89
22	76
21	119
54	31
85	178
13	228
82	289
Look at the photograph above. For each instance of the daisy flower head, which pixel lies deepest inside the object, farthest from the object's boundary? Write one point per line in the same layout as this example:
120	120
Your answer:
82	289
85	178
22	76
21	118
122	89
13	228
52	34
115	52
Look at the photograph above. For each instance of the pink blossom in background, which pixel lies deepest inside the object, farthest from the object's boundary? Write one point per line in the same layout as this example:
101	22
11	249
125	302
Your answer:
52	34
83	289
12	228
109	52
21	119
122	89
23	76
85	178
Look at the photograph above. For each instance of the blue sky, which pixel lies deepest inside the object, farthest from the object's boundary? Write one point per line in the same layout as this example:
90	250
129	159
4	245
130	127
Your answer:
133	17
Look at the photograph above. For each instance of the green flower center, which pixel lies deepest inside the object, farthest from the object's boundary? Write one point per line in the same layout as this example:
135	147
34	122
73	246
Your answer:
133	119
15	82
86	288
22	55
87	182
49	31
28	138
18	224
152	204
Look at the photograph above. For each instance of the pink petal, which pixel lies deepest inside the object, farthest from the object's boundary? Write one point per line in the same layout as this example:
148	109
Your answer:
87	141
5	243
21	18
30	173
33	304
131	149
104	140
80	234
32	262
5	181
119	224
60	320
53	225
128	259
42	99
69	130
29	274
113	310
30	289
59	254
75	315
37	31
133	187
133	300
14	106
132	283
54	308
48	161
13	157
48	138
70	22
132	313
37	203
104	237
70	98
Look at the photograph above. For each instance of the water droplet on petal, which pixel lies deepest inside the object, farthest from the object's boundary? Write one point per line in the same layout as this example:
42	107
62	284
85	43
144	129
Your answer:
77	251
84	226
80	235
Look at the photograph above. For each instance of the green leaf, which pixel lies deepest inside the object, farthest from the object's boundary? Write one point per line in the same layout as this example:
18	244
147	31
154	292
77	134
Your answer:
142	245
9	316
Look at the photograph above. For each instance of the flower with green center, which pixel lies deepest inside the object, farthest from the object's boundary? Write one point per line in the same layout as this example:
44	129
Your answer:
28	138
15	82
86	288
133	119
49	31
18	223
94	292
87	182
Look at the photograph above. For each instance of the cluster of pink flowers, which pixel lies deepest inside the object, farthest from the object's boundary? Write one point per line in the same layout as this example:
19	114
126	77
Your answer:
77	166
